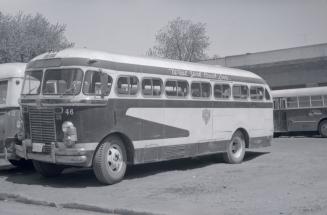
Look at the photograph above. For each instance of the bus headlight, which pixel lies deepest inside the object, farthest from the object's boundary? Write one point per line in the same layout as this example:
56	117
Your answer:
70	133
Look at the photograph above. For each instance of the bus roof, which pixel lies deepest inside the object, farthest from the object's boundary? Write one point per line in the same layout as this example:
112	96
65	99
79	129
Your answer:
12	70
310	91
104	57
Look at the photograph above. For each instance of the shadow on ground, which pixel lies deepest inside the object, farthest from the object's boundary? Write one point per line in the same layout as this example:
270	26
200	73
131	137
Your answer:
82	177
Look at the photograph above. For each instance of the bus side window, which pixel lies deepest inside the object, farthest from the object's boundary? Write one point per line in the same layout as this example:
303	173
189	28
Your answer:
196	89
147	87
205	89
127	85
256	93
267	95
304	101
151	86
221	91
240	91
182	88
171	88
316	101
292	102
93	83
276	104
201	89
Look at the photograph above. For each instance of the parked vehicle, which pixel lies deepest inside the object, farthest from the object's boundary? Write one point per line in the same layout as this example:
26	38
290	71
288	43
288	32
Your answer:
300	111
11	81
94	109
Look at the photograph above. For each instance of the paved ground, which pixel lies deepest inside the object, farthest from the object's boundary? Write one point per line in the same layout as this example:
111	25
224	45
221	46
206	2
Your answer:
288	178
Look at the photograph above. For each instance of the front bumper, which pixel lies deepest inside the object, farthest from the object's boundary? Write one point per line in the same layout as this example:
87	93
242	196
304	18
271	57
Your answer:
76	156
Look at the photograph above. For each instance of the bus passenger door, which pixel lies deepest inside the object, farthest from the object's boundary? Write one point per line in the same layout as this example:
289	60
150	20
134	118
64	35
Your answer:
280	119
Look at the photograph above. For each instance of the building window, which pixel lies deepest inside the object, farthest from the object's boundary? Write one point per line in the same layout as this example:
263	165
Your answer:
222	91
127	85
240	92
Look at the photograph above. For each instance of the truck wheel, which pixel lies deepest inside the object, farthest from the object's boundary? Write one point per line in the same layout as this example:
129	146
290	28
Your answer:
47	170
22	163
235	149
109	163
323	128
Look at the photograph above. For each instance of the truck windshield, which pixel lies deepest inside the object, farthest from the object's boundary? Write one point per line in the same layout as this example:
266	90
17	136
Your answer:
62	81
32	82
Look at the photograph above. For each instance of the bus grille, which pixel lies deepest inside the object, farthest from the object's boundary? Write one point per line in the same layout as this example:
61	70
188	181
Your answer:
42	125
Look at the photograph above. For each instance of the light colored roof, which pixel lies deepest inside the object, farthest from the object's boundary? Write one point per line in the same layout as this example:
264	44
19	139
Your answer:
300	92
12	70
144	61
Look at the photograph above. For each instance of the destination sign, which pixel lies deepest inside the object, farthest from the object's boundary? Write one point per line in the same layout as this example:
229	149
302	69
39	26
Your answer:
196	74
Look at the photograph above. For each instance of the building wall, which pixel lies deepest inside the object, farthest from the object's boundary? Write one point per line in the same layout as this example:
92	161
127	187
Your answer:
286	68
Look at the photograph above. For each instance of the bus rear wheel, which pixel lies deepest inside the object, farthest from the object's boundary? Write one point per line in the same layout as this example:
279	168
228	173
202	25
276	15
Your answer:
235	149
47	170
109	163
323	128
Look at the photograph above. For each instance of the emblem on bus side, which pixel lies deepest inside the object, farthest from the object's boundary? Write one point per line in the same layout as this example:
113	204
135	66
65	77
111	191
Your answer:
206	115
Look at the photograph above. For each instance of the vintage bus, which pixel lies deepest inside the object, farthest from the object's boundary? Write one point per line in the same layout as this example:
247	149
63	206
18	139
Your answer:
11	81
89	108
300	111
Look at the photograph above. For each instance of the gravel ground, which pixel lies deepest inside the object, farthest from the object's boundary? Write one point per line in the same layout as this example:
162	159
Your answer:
290	177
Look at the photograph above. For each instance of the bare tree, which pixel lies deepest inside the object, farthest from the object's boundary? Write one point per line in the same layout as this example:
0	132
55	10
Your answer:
181	40
23	37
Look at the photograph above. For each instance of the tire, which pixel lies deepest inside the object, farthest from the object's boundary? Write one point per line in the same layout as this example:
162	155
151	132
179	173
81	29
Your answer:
109	162
235	149
323	128
22	163
48	170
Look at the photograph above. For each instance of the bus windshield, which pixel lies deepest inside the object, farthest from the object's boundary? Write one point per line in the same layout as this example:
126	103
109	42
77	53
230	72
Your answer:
32	82
62	81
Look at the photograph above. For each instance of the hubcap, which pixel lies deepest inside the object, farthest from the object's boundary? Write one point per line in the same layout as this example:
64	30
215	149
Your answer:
115	158
236	147
324	129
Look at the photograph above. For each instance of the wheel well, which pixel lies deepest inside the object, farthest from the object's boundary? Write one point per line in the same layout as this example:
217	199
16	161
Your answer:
246	136
127	143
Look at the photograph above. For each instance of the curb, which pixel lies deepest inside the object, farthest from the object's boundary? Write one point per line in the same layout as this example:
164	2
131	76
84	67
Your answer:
21	199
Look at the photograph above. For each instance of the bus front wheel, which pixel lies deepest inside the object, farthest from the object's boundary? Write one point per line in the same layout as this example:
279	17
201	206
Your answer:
235	149
47	170
109	163
323	128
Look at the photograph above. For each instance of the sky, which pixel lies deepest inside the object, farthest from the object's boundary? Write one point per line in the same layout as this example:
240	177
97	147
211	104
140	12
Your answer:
233	26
